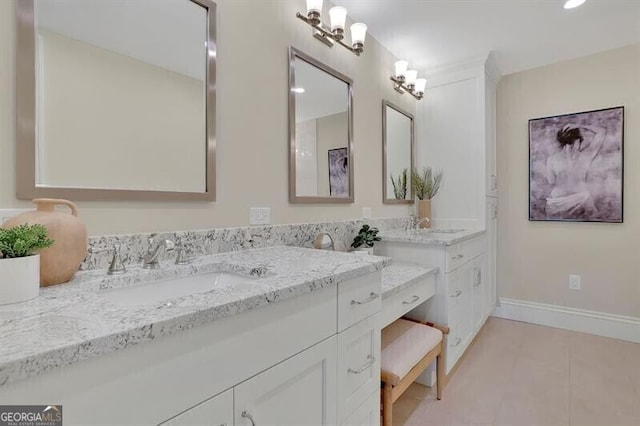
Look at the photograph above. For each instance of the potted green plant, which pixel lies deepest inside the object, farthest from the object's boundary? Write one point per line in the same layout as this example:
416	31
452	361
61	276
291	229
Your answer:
20	262
365	239
400	185
425	186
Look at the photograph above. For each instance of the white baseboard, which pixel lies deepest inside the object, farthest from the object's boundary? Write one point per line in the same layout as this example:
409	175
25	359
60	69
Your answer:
599	323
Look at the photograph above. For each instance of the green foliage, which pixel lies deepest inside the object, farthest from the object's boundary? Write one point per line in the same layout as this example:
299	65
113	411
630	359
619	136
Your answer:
426	184
23	240
366	236
400	186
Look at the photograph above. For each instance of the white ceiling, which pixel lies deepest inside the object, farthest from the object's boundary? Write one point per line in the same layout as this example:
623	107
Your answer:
522	34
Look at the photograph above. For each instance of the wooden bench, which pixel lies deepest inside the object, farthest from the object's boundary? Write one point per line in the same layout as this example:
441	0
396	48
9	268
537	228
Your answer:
408	348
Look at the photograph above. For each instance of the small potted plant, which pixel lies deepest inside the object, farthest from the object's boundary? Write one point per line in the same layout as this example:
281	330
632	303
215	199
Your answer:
20	263
425	186
365	239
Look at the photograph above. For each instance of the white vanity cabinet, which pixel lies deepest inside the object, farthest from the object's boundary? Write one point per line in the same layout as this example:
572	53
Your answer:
460	301
311	359
217	411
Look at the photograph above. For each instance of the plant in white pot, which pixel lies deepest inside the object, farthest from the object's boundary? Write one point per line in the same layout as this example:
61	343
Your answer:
425	186
20	263
365	239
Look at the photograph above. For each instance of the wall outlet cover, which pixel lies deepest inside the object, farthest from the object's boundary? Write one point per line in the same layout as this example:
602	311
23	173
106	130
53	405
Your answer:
259	216
574	282
366	213
6	214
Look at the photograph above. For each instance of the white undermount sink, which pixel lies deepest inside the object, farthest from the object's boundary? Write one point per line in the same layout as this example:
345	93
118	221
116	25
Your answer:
440	231
169	289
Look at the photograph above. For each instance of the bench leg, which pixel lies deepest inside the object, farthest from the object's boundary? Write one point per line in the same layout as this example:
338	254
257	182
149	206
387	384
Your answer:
387	405
440	376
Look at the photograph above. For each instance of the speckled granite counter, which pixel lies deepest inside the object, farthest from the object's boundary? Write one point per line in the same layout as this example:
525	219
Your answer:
427	237
75	321
398	276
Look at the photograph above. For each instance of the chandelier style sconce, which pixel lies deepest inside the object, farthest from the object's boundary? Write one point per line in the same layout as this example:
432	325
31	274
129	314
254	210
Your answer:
407	81
334	33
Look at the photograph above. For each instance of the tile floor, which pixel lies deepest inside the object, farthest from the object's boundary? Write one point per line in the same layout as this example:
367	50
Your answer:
519	374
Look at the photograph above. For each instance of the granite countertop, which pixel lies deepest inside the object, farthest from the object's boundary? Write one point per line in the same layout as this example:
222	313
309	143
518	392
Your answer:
398	276
425	237
75	321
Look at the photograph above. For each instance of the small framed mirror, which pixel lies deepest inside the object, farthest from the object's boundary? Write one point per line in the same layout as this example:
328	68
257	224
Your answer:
320	132
397	154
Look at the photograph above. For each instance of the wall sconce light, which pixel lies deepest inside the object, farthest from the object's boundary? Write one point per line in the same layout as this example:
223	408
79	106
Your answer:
407	81
335	32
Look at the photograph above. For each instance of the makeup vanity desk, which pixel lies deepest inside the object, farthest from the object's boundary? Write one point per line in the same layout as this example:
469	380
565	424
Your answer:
405	286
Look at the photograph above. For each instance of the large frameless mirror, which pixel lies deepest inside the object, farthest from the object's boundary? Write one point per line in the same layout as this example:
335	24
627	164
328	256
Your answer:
116	99
397	154
320	132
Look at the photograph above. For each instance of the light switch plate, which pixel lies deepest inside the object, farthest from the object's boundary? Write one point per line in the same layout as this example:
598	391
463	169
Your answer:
259	216
6	214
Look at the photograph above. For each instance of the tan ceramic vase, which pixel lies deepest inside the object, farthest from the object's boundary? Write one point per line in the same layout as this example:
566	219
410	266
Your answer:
424	210
59	262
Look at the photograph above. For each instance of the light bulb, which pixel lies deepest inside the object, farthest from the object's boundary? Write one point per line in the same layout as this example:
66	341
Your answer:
337	16
411	77
572	4
401	68
314	6
358	33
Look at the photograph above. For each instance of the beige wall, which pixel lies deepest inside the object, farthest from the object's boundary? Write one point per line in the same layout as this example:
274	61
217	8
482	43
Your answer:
161	127
536	258
253	37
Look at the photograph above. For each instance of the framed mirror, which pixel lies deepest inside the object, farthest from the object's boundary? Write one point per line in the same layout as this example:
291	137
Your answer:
116	99
397	154
320	132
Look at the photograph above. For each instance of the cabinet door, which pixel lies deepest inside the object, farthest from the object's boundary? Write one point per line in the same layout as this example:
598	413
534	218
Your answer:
298	391
368	414
476	269
217	411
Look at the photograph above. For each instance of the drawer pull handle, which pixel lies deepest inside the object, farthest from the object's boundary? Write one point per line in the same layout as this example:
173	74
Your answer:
458	293
248	415
373	296
413	300
457	257
458	341
369	363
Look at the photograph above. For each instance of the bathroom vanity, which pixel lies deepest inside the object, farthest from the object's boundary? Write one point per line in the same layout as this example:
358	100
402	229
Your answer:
294	341
463	298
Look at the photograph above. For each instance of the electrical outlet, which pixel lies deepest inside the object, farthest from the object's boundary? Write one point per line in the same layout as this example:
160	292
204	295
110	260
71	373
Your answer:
366	213
574	282
259	216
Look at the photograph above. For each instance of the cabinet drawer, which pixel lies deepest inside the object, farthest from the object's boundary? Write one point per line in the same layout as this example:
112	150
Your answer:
358	298
400	303
461	253
358	365
368	414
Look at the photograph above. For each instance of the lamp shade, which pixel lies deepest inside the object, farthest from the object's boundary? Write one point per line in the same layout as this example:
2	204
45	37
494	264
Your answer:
358	33
411	76
401	68
314	6
337	16
421	84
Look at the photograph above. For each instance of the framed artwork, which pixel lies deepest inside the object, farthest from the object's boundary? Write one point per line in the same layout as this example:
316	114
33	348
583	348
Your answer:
576	167
339	172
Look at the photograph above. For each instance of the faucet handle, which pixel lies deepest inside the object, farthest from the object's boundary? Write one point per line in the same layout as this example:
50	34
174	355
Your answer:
116	266
182	258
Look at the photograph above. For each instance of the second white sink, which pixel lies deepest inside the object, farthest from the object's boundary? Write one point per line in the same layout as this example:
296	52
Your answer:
158	291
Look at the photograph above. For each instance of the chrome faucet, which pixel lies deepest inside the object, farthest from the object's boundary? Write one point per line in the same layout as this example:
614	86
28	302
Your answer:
414	222
150	260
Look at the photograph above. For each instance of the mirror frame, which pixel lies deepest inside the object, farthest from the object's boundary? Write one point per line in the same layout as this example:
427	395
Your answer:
26	187
385	200
293	198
